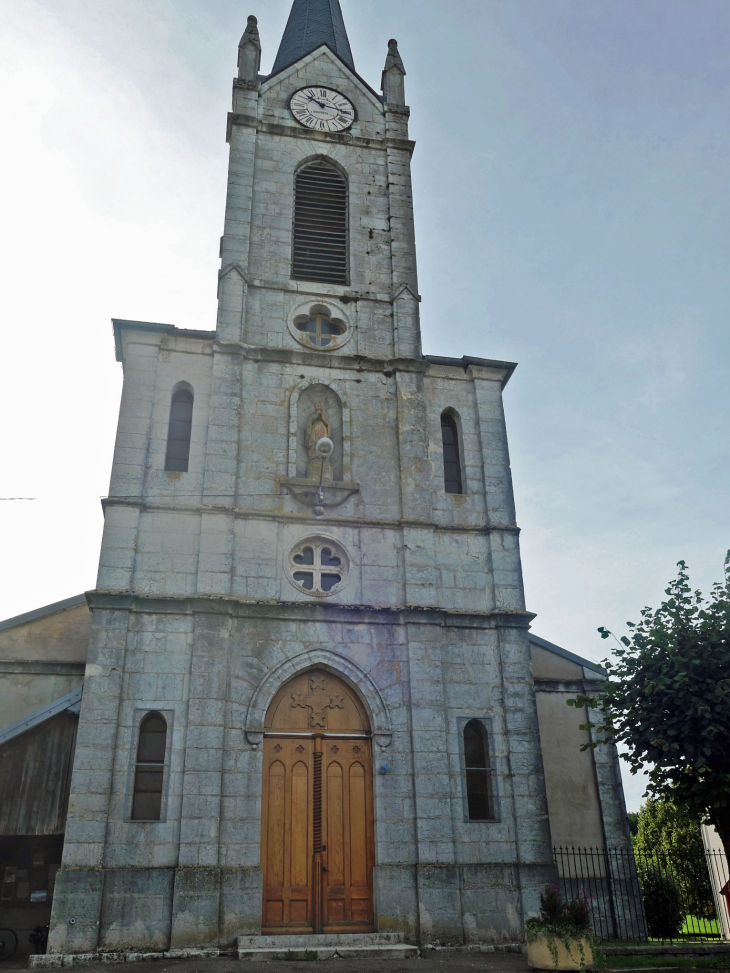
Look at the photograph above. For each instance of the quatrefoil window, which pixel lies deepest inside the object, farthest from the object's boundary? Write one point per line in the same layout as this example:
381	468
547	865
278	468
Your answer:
318	566
318	326
319	330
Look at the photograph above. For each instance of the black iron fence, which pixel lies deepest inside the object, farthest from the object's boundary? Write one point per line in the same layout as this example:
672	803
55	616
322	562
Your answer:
636	897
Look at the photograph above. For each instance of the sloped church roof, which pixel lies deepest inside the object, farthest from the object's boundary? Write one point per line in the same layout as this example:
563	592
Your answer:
313	23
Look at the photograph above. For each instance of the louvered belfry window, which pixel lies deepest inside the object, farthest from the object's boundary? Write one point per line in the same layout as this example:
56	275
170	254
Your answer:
320	224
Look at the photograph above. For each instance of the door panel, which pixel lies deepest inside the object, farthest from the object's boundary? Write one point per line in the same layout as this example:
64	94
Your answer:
347	837
286	835
334	843
317	847
274	910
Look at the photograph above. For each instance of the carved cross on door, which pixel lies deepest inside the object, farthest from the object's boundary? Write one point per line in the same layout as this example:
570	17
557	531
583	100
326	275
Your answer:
317	701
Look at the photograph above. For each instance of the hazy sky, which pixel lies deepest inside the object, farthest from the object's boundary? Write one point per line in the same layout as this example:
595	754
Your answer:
572	215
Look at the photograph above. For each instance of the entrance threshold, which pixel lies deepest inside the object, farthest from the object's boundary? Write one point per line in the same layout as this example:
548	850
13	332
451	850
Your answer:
376	945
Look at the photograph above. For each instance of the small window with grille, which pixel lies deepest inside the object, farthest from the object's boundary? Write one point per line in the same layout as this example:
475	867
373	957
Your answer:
318	566
149	769
178	431
477	772
453	482
320	247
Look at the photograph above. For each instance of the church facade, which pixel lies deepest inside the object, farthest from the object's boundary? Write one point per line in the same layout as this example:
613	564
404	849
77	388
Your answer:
309	702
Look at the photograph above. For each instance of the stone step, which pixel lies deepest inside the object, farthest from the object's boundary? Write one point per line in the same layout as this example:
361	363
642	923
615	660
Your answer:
367	945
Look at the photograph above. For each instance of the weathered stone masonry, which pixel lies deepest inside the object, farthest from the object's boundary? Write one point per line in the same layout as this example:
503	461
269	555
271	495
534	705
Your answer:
196	615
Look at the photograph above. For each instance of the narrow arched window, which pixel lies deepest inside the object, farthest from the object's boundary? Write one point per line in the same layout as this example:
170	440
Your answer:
319	250
149	770
478	773
178	432
452	458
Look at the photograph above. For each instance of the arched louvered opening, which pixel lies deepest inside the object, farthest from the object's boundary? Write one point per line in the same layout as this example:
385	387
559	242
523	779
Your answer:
453	482
320	224
478	771
149	769
178	432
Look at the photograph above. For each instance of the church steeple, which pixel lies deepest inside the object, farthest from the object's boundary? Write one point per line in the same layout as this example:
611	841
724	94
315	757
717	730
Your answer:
313	23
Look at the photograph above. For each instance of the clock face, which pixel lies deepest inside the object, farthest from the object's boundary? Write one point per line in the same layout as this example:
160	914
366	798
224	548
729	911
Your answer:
322	109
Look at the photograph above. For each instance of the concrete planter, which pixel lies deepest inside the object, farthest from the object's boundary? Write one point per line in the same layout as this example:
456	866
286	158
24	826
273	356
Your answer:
539	956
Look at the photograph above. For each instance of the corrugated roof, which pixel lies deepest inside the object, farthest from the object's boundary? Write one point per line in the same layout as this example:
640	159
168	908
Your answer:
313	23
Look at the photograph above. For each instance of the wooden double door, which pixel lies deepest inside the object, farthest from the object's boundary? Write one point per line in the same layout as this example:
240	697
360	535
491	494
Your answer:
317	820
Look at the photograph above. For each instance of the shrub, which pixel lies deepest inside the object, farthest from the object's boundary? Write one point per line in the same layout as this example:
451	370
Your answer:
568	922
662	905
578	912
552	908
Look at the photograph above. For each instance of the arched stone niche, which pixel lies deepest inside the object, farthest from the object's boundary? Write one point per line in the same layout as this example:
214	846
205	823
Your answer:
302	474
329	400
301	406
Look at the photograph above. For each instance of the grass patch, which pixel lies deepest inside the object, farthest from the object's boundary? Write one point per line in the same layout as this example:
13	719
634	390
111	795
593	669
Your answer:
692	926
719	962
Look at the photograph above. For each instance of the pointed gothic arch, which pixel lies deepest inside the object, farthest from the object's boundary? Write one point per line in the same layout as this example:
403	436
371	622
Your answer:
317	813
360	682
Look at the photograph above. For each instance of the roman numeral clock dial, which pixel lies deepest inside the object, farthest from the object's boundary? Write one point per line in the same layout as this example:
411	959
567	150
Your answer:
322	109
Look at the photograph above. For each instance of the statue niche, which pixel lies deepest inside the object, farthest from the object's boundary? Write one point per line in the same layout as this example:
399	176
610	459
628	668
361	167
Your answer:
318	427
319	416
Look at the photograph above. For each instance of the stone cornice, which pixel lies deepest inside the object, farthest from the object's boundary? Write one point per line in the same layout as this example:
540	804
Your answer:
240	120
470	368
244	514
288	611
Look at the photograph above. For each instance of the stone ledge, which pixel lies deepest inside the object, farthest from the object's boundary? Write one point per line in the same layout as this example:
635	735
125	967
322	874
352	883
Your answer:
343	946
50	961
329	952
335	492
227	606
479	948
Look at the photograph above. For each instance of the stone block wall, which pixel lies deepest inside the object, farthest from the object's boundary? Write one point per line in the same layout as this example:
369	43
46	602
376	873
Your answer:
211	668
196	613
225	527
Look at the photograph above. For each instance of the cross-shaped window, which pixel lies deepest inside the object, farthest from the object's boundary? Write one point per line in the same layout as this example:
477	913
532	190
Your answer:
317	566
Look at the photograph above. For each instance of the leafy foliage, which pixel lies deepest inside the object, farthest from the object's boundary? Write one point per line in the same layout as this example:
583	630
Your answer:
662	904
567	921
667	699
633	819
674	842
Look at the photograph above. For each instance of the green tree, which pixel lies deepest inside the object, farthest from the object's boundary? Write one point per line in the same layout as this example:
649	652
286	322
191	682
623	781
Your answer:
667	699
633	818
673	841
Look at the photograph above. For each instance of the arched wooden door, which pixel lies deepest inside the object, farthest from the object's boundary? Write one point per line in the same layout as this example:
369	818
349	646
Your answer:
317	847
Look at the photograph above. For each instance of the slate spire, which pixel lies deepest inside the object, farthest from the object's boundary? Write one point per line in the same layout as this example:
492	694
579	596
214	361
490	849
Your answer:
313	23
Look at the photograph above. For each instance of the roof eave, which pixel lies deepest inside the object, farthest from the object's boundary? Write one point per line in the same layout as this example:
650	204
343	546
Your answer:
71	702
120	325
565	654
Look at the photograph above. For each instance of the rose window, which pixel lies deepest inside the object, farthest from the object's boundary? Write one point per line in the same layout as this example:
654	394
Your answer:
319	330
318	566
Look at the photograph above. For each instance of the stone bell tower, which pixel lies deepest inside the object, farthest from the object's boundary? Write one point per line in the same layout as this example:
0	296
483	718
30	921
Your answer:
307	713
